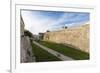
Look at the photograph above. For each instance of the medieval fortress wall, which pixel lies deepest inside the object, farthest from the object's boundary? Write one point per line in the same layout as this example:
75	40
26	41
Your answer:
26	48
77	37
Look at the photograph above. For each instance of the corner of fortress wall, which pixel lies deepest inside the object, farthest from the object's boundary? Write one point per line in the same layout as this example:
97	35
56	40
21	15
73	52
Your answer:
77	37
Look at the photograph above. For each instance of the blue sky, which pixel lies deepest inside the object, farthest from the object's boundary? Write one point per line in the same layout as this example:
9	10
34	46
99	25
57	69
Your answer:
41	21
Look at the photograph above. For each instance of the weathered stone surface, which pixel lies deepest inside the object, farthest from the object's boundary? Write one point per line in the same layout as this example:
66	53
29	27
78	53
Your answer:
77	37
26	48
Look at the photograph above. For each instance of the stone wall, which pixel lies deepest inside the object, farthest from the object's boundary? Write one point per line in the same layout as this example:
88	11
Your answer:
26	48
77	37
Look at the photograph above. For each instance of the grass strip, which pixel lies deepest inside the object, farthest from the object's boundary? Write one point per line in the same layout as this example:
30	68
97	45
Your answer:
68	51
43	56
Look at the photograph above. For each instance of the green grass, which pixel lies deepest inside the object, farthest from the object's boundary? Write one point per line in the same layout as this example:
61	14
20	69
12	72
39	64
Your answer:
68	51
42	55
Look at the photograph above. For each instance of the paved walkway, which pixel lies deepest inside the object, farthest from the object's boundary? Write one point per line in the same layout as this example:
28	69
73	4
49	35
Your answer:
53	52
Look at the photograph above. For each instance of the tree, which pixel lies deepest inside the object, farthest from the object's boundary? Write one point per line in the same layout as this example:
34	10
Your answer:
66	27
48	31
28	33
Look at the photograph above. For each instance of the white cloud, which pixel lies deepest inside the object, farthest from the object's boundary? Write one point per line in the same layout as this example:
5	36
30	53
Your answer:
34	23
77	24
